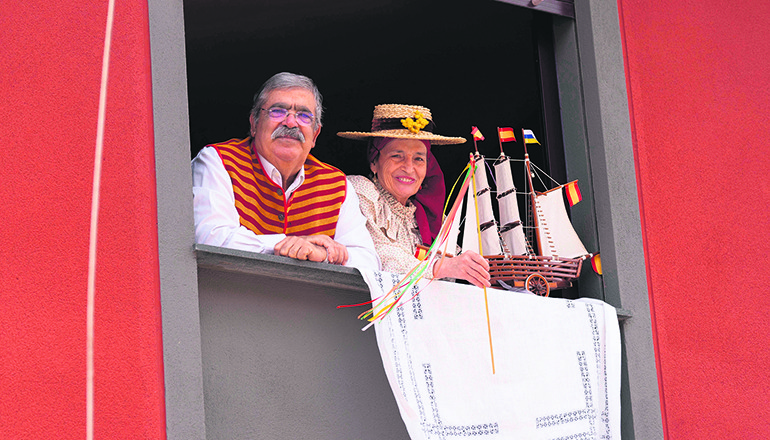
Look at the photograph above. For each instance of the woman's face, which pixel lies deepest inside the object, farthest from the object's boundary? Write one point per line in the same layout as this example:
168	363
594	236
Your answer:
401	167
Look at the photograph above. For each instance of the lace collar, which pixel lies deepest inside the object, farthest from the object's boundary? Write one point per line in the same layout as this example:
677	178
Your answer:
395	206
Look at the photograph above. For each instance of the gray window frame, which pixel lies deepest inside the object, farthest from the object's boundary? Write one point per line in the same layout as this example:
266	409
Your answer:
565	8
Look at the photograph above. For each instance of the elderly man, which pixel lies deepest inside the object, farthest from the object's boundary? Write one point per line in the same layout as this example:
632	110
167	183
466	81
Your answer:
268	194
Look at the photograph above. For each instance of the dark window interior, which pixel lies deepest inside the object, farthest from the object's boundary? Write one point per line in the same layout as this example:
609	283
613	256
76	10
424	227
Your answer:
471	63
479	63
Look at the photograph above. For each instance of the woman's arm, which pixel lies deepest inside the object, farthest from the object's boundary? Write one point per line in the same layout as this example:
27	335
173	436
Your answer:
468	266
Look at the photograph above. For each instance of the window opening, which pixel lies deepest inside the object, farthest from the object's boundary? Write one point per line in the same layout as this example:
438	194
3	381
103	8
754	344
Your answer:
473	63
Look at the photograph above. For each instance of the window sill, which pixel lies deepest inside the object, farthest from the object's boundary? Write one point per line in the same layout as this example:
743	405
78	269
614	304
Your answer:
282	268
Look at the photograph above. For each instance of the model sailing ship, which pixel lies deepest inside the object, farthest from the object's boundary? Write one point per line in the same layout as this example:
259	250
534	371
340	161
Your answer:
513	261
557	256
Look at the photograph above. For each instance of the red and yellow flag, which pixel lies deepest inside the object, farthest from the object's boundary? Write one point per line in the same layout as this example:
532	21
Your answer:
477	134
506	134
573	193
596	263
421	252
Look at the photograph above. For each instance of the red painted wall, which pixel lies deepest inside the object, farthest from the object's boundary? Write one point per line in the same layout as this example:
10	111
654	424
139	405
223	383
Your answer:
51	60
699	92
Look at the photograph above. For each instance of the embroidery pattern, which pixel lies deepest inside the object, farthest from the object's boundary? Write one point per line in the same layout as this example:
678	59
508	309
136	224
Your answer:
581	436
442	431
589	412
396	352
573	416
416	304
401	316
560	419
586	377
598	354
431	429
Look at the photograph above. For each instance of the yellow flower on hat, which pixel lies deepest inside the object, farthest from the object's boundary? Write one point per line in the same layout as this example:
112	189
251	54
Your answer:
415	125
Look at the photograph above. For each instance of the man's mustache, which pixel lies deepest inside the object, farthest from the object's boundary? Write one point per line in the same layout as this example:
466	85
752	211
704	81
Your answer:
291	132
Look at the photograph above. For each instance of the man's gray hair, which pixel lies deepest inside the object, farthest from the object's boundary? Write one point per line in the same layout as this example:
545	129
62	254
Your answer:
286	80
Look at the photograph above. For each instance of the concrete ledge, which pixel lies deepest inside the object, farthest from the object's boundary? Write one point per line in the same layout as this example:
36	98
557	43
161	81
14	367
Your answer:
283	268
623	314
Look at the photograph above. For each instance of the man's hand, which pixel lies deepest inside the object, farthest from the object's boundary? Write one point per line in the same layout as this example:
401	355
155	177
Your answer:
338	253
301	248
312	248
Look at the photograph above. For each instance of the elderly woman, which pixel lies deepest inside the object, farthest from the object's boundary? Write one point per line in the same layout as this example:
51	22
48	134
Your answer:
403	201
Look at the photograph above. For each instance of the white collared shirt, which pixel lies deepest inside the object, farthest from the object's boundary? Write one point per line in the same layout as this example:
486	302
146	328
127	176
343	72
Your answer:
277	178
217	221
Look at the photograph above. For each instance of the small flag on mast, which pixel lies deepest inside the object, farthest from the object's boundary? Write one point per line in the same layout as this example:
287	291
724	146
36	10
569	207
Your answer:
573	193
421	252
477	134
596	263
529	137
506	134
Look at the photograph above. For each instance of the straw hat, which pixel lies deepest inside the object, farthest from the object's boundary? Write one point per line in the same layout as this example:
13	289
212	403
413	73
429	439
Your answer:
402	122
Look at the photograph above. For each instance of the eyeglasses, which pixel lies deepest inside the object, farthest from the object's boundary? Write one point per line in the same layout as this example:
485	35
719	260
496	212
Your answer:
279	114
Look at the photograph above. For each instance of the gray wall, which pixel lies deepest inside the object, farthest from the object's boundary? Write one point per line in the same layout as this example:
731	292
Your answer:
178	268
281	361
596	122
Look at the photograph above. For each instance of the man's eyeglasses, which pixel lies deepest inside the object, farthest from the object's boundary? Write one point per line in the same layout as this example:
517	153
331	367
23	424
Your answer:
279	114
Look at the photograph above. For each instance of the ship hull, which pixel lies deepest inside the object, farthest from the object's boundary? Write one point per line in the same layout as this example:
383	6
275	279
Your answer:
518	270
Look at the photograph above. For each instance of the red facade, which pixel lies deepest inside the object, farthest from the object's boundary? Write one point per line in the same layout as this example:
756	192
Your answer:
699	95
52	66
698	88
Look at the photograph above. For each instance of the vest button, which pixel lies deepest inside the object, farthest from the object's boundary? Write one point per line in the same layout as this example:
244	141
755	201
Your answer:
281	217
280	192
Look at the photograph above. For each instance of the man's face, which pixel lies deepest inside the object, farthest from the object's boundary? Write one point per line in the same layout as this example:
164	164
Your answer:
280	141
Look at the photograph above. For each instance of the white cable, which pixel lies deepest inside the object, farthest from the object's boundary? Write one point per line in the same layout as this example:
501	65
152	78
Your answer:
94	223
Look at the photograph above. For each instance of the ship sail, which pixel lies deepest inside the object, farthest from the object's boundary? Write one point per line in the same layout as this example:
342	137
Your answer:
490	238
512	229
556	235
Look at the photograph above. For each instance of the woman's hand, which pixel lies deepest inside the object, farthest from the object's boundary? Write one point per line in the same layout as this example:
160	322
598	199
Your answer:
468	266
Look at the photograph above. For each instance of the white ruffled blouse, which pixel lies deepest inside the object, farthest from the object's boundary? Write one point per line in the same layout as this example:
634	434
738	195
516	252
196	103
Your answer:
393	226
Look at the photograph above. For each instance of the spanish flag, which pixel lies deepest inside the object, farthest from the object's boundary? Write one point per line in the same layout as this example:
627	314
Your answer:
477	134
506	134
596	263
529	137
421	252
573	193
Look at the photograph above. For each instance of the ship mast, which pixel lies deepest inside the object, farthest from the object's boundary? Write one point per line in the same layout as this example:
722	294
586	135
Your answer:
532	206
490	237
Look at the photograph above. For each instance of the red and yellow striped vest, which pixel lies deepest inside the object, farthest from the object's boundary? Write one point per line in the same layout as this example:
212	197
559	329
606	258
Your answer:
312	209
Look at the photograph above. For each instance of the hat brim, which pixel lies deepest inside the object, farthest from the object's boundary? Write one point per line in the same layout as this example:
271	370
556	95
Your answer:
434	139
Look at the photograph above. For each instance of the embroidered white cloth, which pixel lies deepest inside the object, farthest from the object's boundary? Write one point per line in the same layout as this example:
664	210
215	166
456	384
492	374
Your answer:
556	361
